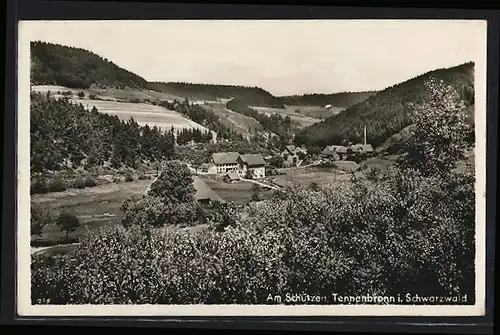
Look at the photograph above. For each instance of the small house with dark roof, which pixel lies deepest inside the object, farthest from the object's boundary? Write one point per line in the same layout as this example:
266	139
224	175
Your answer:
362	148
204	194
232	177
335	152
329	153
291	153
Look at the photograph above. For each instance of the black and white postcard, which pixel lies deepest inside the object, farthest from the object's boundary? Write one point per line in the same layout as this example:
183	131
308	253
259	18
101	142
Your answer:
251	167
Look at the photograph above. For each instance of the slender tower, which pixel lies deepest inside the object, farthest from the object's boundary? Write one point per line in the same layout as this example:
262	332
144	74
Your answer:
364	138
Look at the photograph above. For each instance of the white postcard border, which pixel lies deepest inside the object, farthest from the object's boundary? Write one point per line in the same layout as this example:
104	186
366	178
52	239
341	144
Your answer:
25	308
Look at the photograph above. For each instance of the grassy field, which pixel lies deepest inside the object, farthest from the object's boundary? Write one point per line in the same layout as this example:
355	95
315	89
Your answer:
317	112
305	176
94	206
240	192
303	120
381	163
241	123
142	113
112	94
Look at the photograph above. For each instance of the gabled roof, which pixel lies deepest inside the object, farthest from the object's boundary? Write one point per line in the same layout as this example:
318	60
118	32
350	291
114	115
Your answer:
233	176
367	147
339	149
362	147
253	159
290	148
203	191
225	158
329	151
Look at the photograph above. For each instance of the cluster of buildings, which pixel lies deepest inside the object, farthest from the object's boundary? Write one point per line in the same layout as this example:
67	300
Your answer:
340	152
291	154
233	166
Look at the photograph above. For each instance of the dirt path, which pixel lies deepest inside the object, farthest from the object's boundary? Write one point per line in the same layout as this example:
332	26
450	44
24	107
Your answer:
37	250
263	184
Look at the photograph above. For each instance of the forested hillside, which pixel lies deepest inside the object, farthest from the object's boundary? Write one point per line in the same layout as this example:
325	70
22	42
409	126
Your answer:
389	111
65	135
341	100
251	95
201	116
54	64
277	124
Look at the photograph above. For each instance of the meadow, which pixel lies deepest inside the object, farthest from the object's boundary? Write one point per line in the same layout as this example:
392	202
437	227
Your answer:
94	206
303	177
239	193
142	113
109	102
303	120
245	125
112	94
317	112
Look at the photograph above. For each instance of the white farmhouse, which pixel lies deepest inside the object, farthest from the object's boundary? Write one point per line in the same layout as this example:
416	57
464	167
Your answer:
224	162
252	164
248	165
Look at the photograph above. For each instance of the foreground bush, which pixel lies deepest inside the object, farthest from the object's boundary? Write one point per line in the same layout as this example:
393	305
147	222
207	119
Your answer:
401	233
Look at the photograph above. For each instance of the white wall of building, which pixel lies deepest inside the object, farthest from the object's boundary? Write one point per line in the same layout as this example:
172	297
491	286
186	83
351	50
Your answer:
259	172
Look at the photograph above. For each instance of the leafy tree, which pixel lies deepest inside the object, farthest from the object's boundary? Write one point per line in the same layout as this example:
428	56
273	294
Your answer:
314	186
151	211
175	183
40	217
313	150
276	161
256	192
249	175
441	133
67	222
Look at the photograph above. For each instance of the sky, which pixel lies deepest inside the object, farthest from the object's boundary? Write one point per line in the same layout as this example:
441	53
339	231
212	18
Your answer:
284	57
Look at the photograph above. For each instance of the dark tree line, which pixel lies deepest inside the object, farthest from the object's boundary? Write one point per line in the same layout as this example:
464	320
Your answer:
255	96
388	112
203	117
66	135
184	136
54	64
341	100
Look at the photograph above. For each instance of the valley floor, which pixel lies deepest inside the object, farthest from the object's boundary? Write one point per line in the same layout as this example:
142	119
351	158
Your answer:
94	206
